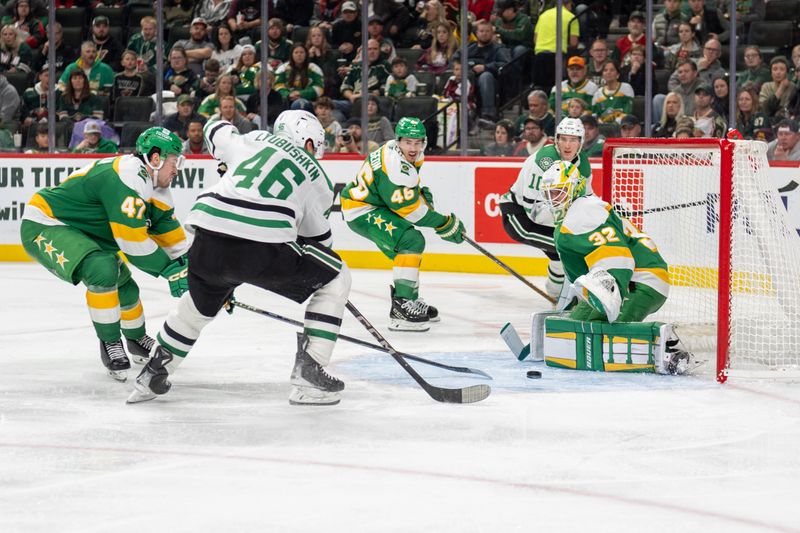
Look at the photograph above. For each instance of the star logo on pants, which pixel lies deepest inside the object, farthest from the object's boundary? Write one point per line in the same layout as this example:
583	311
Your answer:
60	259
389	228
39	240
49	249
378	221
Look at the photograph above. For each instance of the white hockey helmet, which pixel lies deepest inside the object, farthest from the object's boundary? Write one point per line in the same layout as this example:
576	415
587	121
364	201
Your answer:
571	126
561	184
300	126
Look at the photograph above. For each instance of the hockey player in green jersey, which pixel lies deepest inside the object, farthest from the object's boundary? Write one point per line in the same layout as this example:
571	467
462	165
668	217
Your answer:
617	274
76	230
525	217
265	224
384	204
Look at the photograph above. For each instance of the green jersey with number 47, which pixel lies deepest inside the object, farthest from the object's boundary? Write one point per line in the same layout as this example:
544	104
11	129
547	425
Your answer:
387	180
592	235
272	191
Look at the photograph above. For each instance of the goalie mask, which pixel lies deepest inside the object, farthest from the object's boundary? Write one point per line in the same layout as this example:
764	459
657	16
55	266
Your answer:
300	127
560	185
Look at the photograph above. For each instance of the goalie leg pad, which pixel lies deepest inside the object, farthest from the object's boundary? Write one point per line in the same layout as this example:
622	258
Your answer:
599	289
537	332
600	346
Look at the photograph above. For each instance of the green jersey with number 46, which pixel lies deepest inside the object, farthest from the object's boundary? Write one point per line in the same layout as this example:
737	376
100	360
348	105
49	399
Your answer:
114	203
592	235
386	179
272	191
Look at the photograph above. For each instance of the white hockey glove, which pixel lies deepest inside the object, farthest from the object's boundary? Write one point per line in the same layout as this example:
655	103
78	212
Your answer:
599	289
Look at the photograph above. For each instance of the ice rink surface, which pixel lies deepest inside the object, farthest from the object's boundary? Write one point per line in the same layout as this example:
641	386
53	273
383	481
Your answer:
225	452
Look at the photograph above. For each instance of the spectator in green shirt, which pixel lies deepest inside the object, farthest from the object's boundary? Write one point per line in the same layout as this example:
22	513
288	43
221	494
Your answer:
77	102
93	142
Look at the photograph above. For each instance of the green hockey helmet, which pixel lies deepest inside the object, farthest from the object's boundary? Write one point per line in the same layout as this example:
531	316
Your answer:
411	127
159	140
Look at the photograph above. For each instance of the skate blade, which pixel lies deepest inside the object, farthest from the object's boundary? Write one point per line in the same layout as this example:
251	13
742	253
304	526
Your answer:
435	319
398	325
138	396
312	396
119	375
139	359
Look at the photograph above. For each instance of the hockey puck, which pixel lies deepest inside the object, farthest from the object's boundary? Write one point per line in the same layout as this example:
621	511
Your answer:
534	374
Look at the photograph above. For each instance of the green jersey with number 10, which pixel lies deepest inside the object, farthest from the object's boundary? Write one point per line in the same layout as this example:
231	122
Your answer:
273	191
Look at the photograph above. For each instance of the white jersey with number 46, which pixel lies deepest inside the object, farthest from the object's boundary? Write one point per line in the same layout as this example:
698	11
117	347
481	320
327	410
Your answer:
272	191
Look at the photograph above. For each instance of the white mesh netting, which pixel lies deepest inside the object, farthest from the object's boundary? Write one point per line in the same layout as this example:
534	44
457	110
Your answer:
672	194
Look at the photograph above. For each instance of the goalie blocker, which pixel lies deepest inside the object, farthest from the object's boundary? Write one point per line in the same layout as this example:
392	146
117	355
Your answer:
612	347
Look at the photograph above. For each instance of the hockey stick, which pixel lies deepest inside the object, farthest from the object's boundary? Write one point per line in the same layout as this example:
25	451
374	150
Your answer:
462	369
471	394
510	270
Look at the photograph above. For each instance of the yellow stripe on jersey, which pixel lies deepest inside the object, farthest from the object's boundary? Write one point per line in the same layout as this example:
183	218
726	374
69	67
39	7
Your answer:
660	273
407	260
41	203
102	300
115	164
127	233
170	238
407	210
348	203
159	204
614	256
133	313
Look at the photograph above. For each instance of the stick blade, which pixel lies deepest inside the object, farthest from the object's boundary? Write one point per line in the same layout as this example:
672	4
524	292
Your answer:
471	394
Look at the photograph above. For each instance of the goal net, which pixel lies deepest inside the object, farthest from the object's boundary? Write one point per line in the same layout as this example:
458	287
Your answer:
733	256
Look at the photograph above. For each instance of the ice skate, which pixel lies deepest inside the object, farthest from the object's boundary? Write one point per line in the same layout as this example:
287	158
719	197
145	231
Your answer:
152	380
409	315
430	311
140	349
115	359
311	385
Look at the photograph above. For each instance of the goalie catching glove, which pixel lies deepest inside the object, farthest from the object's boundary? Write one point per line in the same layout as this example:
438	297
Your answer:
452	230
176	273
599	289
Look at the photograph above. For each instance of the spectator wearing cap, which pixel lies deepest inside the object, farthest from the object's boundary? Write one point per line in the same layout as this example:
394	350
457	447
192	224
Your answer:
615	98
538	110
346	31
706	120
544	37
635	35
485	58
100	75
93	141
26	23
706	22
15	54
226	51
776	96
375	30
577	85
634	73
299	81
179	122
145	42
400	83
514	28
503	145
665	23
755	73
280	48
785	146
228	111
129	82
244	19
195	143
246	71
109	50
198	47
210	104
593	142
179	78
533	138
215	12
630	126
34	99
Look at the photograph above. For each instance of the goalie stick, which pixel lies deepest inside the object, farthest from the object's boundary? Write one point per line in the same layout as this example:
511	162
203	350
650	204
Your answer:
510	270
462	369
471	394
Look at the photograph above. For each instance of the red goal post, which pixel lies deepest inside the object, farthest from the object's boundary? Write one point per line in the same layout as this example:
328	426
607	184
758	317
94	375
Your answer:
734	258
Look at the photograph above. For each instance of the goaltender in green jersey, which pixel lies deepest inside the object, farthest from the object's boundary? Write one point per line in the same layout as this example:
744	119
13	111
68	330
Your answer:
76	229
620	279
384	204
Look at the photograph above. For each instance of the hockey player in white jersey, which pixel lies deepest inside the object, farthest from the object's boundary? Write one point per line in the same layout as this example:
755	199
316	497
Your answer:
265	223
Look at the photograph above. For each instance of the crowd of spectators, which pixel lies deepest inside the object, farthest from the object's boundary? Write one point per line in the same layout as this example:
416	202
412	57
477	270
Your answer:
107	60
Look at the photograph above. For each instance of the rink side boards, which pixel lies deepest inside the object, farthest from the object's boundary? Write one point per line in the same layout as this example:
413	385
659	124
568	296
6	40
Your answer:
469	187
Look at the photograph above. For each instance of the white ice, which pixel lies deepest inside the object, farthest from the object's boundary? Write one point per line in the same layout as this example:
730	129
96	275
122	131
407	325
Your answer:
223	451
